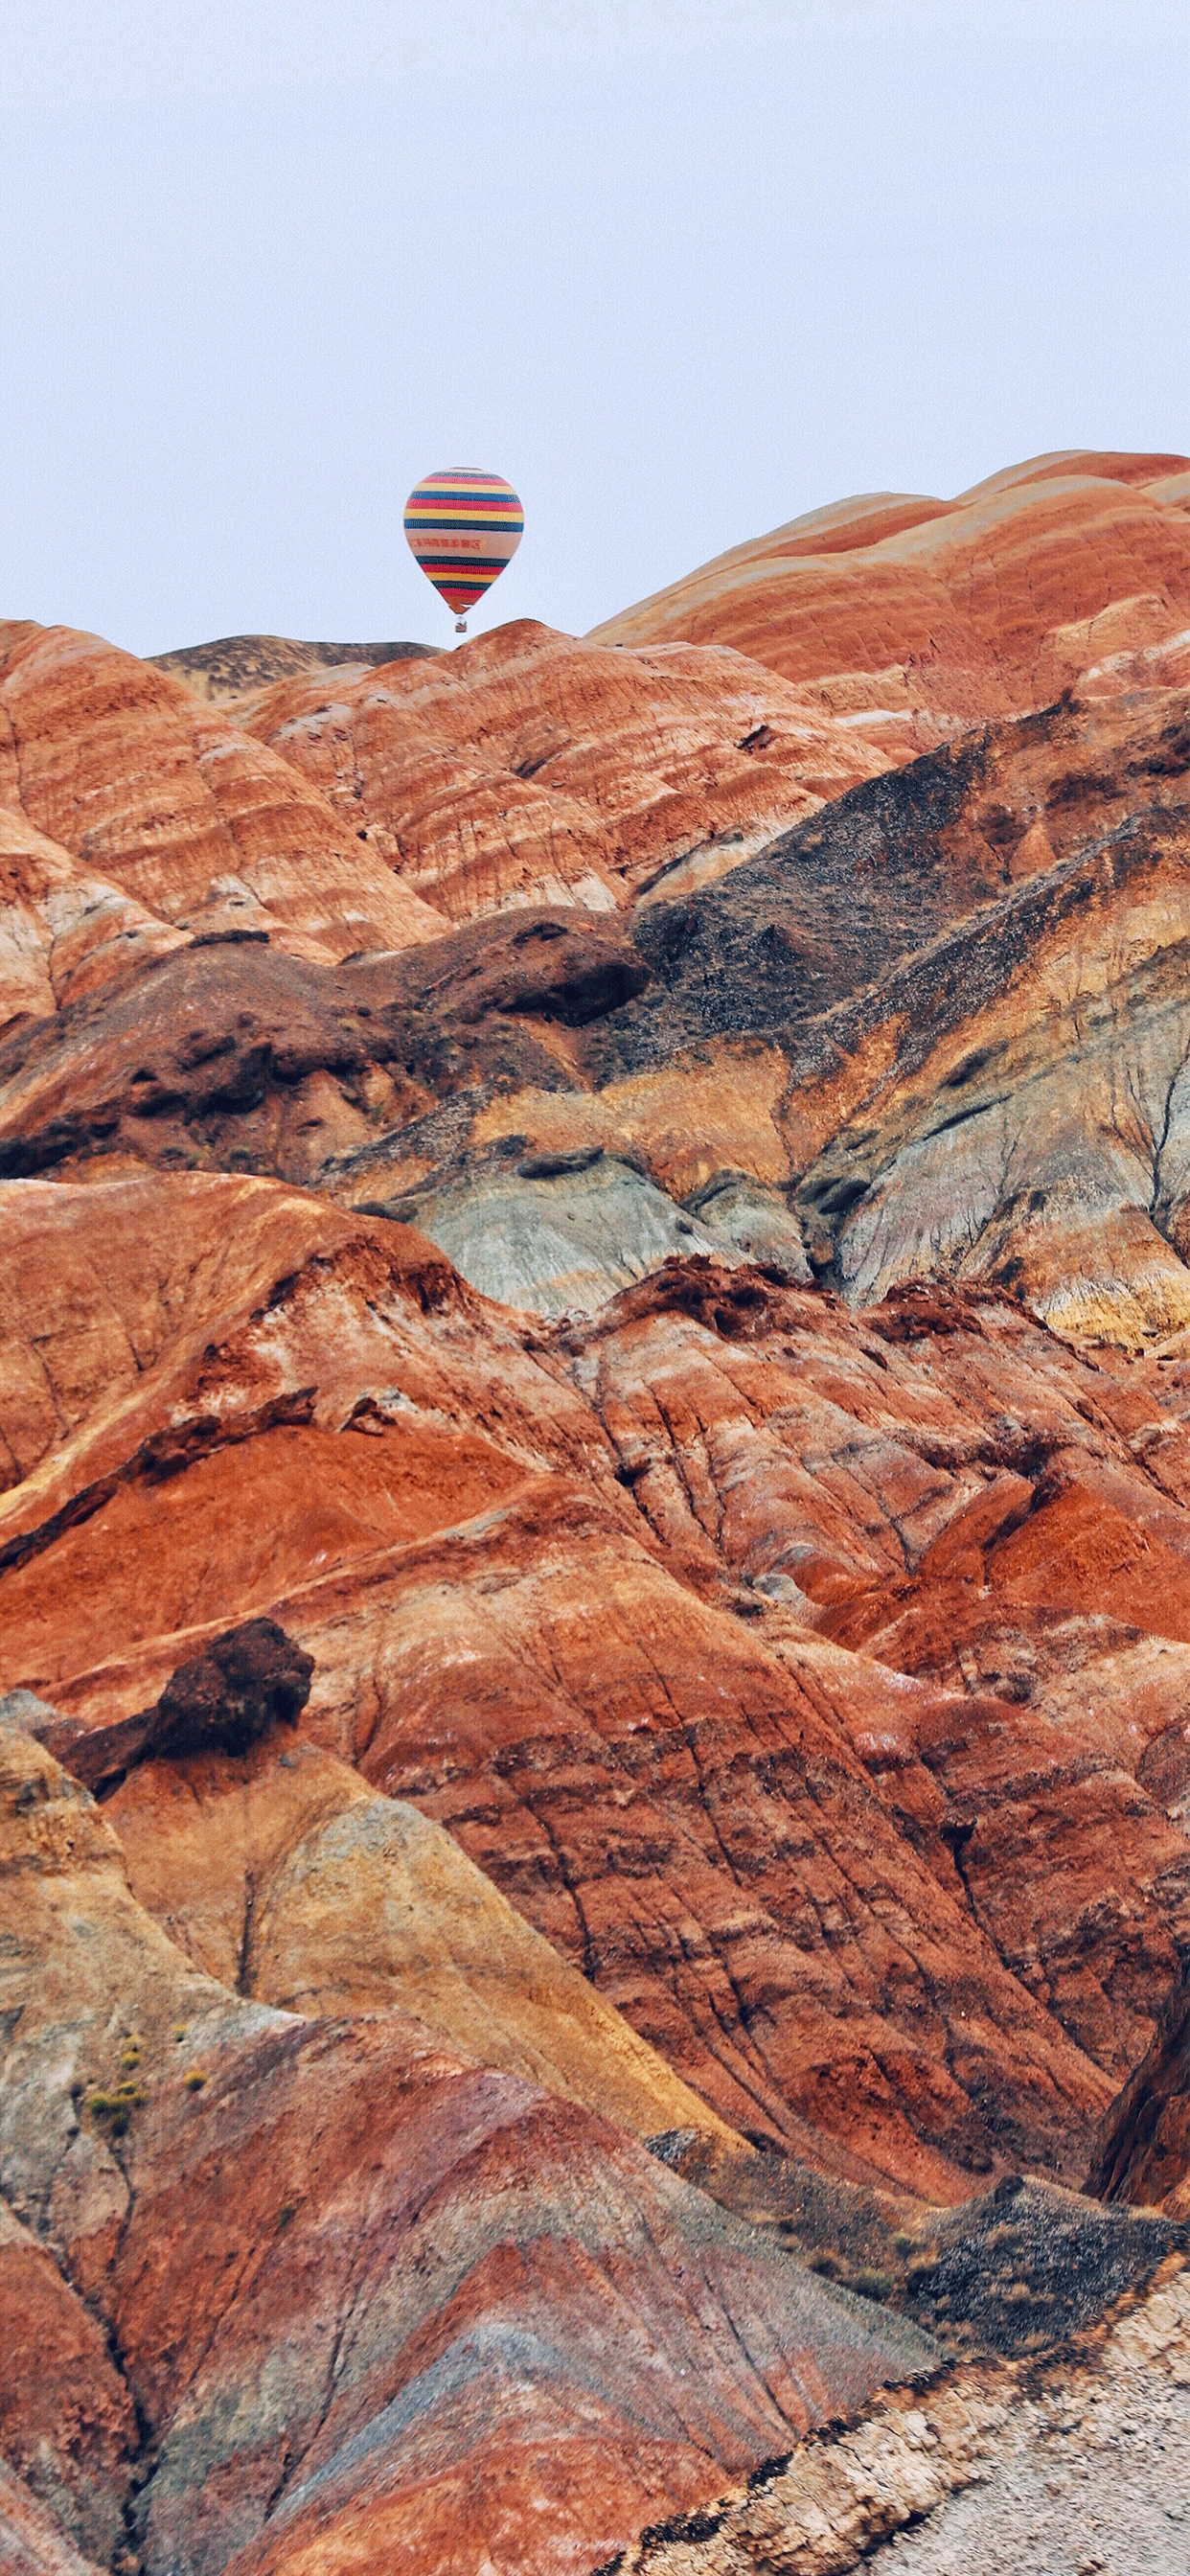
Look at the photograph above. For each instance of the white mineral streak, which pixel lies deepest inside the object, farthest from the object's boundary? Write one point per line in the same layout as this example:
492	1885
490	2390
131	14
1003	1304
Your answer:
1067	2467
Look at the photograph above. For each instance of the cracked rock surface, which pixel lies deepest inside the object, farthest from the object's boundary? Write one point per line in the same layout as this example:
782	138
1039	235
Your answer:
1074	2468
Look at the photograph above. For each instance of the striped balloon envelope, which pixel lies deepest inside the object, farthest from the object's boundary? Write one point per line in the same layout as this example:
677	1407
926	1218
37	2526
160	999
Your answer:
463	527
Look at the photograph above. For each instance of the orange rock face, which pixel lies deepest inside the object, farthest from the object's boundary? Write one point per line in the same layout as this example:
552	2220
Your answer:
530	768
349	2277
594	1537
380	1509
916	618
115	762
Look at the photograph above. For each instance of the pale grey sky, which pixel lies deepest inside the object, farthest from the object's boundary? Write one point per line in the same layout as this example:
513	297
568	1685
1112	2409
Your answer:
680	271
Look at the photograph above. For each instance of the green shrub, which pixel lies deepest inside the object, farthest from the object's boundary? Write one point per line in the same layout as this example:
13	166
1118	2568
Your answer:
113	2111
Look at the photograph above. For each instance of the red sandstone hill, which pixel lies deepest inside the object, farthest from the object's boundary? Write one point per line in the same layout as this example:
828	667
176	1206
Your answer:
915	618
530	767
621	1210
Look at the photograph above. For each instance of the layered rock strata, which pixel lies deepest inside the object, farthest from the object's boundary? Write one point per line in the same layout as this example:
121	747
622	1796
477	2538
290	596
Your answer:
594	1472
529	767
118	765
917	618
709	1496
415	2272
938	1028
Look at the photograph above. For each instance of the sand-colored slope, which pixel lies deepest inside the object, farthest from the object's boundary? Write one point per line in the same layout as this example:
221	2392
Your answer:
284	1876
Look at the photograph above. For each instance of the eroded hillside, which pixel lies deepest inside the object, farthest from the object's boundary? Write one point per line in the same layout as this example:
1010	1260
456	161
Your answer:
595	1558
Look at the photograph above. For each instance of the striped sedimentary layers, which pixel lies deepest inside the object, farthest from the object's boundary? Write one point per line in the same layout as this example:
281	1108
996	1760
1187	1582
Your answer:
644	1229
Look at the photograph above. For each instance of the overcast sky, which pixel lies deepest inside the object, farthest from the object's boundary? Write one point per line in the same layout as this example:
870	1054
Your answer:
679	271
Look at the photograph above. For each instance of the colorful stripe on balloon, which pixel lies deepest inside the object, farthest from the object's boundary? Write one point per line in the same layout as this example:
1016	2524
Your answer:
463	526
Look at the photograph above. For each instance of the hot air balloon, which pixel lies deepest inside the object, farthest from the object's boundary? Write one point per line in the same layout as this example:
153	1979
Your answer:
463	527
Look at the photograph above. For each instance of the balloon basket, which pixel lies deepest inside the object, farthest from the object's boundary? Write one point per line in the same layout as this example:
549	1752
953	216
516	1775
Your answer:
460	625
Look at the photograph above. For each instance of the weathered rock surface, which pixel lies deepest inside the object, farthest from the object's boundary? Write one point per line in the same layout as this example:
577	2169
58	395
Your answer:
171	803
787	1815
1142	2153
64	930
33	2539
951	1033
941	1024
556	1233
530	768
67	2423
286	1878
1087	2456
235	1053
227	1697
588	1208
916	618
414	2273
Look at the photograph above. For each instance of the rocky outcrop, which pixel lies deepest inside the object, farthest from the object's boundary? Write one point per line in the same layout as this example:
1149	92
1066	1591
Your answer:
1142	2152
414	2272
233	1692
1002	1089
223	1700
